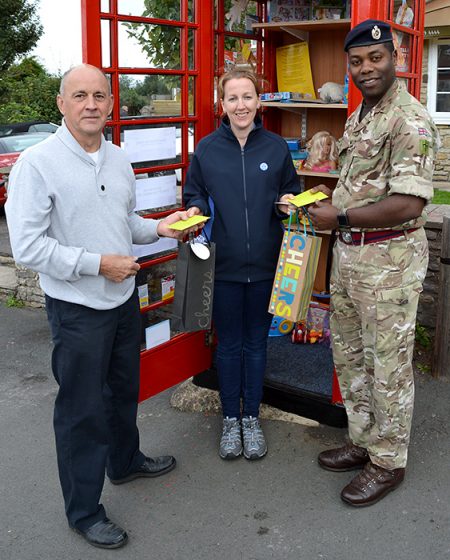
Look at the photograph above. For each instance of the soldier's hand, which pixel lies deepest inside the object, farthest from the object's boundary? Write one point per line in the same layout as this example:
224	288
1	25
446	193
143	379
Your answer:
323	215
325	190
118	267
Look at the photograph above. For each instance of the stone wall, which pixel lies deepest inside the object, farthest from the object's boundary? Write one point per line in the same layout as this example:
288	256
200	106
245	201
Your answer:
442	165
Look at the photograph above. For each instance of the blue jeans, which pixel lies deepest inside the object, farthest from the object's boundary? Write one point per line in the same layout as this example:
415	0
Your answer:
242	324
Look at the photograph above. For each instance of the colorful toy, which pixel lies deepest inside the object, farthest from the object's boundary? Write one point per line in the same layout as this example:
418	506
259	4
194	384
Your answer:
316	328
280	326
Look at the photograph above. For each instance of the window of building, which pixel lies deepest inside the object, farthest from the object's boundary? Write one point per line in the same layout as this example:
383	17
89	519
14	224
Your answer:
439	81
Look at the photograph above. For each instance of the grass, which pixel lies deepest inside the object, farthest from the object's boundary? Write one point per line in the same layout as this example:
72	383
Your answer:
441	197
14	302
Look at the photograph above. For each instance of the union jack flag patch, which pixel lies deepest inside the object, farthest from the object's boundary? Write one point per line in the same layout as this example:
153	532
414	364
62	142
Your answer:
423	132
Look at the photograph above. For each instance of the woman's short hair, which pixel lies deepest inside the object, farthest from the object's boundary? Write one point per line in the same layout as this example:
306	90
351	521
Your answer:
238	74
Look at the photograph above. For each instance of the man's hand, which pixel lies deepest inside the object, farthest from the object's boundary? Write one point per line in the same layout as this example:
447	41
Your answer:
164	231
118	267
286	208
323	215
324	190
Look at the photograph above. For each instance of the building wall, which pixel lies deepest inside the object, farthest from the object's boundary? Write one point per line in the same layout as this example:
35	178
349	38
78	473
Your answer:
442	167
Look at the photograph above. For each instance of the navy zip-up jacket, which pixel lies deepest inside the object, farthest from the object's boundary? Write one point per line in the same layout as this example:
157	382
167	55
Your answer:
238	187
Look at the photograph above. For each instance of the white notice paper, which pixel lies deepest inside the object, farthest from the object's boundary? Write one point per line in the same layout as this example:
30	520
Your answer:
149	144
156	192
163	244
157	334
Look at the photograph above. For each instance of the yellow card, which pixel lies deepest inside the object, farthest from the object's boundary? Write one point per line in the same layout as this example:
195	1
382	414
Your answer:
185	224
307	197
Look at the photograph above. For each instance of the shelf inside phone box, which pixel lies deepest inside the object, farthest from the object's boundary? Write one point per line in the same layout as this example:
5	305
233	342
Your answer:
298	380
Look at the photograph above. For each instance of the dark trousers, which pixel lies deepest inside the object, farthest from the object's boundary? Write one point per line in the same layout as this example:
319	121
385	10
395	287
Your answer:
242	324
95	362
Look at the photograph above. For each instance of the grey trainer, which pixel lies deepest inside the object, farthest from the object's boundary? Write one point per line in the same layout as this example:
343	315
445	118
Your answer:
255	446
231	440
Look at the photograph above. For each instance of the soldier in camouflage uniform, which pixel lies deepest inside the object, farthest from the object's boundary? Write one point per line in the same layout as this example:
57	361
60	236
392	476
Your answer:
379	263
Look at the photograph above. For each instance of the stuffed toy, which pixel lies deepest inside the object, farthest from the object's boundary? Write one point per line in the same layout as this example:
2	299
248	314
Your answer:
331	92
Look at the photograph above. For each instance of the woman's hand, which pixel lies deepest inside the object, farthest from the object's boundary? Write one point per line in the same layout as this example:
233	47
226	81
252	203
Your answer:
286	208
194	211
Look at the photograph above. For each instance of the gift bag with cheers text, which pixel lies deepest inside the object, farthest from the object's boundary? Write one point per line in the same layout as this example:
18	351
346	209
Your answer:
296	270
194	290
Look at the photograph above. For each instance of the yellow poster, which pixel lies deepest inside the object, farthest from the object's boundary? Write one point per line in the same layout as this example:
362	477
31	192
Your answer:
294	69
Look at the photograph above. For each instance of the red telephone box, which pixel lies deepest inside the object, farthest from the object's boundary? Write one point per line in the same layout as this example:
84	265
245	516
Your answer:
163	59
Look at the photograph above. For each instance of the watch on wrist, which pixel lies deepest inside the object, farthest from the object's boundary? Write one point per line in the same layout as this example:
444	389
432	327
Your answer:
342	219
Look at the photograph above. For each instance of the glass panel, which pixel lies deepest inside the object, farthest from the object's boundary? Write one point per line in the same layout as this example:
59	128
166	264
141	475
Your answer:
402	44
161	9
145	156
191	10
404	13
150	96
443	103
104	6
159	280
151	318
239	53
149	46
444	55
443	81
105	30
191	95
161	193
240	20
191	49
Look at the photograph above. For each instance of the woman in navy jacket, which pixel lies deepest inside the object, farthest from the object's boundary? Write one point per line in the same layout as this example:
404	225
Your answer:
237	174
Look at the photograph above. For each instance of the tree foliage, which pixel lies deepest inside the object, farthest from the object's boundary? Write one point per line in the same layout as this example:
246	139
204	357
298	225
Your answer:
28	92
20	30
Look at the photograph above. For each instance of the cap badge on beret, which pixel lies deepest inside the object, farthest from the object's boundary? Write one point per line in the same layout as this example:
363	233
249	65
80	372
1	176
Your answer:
376	33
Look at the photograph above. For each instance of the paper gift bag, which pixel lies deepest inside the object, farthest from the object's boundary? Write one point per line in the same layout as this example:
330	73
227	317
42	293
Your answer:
194	289
294	278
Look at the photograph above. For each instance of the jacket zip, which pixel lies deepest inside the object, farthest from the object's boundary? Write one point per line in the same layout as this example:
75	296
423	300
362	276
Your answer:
246	213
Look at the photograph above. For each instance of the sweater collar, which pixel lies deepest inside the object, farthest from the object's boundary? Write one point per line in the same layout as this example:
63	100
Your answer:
226	129
66	137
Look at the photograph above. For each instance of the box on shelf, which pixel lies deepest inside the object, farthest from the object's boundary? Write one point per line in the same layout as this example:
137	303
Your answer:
329	9
293	143
285	96
299	155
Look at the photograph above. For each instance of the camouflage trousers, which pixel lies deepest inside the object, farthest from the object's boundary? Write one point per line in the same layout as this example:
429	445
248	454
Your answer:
374	295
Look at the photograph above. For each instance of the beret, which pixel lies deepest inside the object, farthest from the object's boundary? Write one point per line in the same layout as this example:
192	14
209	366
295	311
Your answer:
368	32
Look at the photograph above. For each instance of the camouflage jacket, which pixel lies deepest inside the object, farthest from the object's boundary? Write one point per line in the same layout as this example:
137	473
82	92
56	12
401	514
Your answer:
391	151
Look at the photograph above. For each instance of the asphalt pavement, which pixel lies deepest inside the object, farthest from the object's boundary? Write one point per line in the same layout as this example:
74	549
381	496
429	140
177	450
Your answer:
283	507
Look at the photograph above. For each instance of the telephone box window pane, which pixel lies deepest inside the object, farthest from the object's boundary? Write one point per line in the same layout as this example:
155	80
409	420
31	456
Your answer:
160	9
240	21
443	102
149	46
159	280
404	13
191	95
239	53
444	56
105	6
157	192
191	10
191	49
403	46
155	319
150	96
145	154
106	43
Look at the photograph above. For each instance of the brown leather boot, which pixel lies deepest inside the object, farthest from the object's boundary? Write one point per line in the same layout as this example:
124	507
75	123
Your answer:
347	458
371	485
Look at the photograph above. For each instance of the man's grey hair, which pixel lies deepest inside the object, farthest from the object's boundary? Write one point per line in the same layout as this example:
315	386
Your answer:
62	85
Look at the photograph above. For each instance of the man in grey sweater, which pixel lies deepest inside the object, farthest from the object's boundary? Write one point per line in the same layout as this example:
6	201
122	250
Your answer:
70	213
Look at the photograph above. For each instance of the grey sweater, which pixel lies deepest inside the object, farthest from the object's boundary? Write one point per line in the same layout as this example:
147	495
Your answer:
64	212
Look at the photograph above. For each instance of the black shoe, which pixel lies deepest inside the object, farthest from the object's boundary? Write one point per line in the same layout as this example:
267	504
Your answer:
150	469
104	534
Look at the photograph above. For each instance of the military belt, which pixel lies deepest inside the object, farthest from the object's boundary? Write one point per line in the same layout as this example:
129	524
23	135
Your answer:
350	237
